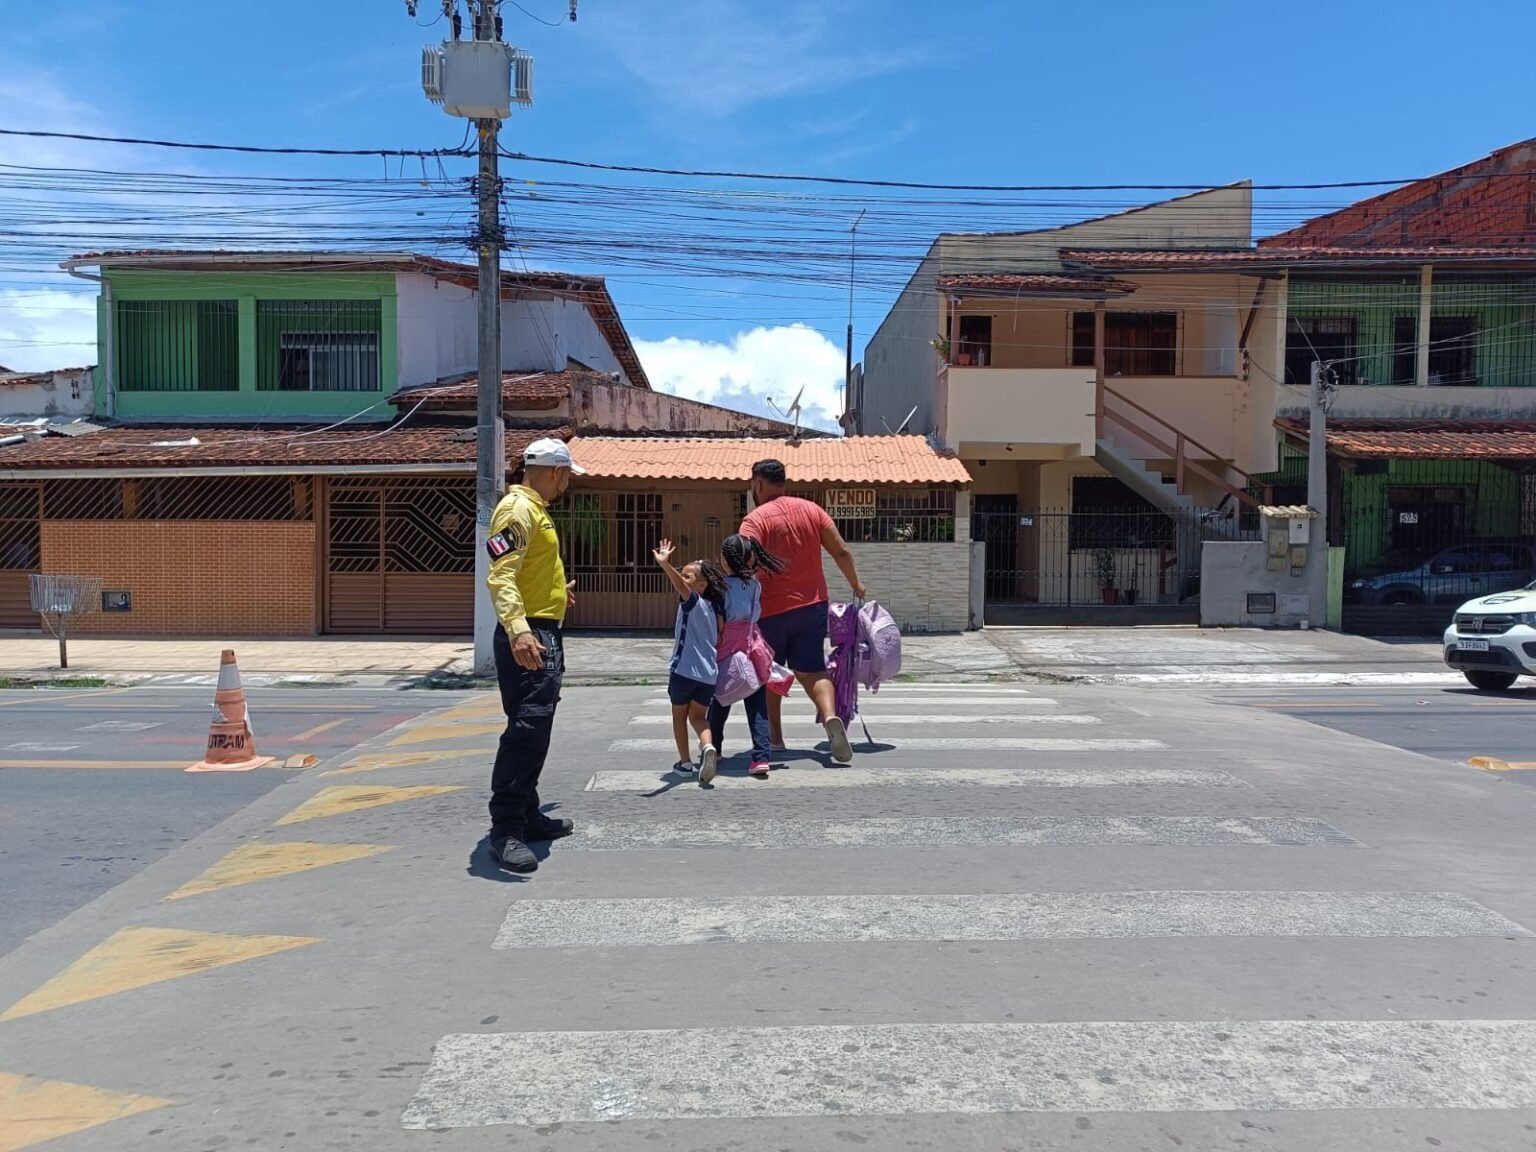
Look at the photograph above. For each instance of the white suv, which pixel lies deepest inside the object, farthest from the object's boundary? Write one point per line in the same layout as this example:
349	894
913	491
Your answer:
1492	640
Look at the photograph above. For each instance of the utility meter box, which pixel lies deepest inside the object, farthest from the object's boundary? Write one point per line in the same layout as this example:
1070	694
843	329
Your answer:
476	79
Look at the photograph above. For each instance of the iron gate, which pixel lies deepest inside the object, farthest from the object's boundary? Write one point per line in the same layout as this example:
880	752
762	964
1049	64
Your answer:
1115	566
400	556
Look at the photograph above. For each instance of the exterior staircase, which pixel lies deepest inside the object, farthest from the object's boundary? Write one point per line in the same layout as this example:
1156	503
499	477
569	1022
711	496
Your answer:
1119	413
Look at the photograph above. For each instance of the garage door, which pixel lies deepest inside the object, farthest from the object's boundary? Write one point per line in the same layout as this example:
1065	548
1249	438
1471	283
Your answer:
400	556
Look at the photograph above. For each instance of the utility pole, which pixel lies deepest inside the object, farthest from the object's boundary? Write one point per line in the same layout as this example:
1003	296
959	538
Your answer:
480	80
1317	498
490	432
853	251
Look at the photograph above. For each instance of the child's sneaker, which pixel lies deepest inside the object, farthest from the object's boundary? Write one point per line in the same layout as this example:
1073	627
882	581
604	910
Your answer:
685	767
709	766
758	770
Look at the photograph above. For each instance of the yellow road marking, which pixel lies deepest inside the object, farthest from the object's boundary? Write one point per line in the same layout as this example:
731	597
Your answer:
430	733
1494	764
374	761
92	764
319	728
472	712
252	862
339	799
33	1110
136	957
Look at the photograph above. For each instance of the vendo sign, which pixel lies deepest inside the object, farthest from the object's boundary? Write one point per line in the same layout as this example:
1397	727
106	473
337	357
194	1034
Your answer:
851	503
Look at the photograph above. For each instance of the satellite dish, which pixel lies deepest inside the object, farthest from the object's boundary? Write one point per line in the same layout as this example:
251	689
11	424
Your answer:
903	426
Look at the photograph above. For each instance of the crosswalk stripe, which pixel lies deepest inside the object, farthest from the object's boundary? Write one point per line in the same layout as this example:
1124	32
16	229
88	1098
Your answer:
681	921
804	720
1180	831
955	744
539	1078
639	781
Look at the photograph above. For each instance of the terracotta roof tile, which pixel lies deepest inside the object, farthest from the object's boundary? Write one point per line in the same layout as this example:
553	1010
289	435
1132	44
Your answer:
1427	439
1491	201
526	390
1012	283
139	446
856	460
1280	257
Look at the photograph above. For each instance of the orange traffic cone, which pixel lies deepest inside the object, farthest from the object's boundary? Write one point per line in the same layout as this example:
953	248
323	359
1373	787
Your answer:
231	744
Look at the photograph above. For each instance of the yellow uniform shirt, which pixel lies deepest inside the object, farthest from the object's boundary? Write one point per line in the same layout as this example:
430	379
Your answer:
527	577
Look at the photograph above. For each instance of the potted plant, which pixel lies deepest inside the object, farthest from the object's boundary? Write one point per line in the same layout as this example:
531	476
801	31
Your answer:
1104	567
940	345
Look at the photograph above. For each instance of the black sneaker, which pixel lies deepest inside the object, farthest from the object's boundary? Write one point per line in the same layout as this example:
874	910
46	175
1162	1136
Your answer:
550	828
515	856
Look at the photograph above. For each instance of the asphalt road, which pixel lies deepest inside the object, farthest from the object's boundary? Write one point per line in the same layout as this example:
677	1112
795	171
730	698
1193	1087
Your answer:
1454	724
1028	917
91	787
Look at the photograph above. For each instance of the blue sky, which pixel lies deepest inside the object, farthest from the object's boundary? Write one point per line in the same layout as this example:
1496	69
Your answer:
990	91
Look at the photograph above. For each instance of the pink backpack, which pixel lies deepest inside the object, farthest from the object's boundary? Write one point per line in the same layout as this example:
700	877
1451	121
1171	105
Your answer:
879	647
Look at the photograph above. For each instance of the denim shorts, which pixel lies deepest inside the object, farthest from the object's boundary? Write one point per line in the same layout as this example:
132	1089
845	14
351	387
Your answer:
683	690
798	637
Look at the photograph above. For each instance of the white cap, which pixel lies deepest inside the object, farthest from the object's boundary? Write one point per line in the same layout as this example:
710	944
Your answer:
550	453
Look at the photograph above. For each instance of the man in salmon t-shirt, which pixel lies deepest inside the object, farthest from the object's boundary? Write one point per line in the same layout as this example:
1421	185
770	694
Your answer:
794	621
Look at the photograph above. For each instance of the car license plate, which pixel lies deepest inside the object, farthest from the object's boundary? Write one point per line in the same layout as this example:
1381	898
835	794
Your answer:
1472	645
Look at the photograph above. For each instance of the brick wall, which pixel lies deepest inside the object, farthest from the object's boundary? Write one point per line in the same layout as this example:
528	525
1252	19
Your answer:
192	577
926	587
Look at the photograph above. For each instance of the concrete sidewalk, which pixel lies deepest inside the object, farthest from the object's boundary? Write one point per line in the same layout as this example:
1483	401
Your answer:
1151	656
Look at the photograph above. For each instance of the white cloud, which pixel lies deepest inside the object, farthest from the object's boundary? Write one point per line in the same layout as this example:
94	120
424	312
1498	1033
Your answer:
47	328
718	58
754	367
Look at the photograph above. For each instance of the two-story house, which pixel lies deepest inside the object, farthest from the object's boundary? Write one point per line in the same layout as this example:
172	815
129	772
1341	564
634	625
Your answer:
1111	416
1422	303
284	443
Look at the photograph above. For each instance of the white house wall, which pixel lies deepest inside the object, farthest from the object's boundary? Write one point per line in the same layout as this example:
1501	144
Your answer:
68	392
544	334
438	333
436	326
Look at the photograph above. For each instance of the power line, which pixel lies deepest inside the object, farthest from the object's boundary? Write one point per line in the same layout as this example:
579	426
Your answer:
708	173
249	148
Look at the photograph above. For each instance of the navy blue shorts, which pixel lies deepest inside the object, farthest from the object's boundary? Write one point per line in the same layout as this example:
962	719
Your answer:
683	690
798	637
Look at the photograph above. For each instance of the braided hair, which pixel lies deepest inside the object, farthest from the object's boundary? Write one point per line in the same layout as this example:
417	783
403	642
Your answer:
739	552
714	584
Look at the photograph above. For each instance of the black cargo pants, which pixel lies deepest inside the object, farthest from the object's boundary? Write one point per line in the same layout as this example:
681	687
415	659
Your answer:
528	698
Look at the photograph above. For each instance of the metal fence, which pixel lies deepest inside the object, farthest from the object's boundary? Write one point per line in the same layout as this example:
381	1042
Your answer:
1122	565
177	345
1422	537
318	345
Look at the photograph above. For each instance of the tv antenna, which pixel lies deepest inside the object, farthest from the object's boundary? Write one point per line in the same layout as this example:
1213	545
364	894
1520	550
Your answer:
902	427
792	413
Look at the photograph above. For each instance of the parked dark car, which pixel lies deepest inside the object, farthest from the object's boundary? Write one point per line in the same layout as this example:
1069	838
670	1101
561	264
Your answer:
1449	576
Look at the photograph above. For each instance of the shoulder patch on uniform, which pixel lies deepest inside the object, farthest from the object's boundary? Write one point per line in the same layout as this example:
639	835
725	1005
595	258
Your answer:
510	539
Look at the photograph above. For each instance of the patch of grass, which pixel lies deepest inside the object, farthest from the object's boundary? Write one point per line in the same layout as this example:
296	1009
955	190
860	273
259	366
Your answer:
314	684
906	677
450	682
54	682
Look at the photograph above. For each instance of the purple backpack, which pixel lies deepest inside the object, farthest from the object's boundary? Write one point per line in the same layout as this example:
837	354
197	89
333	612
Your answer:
879	650
866	653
